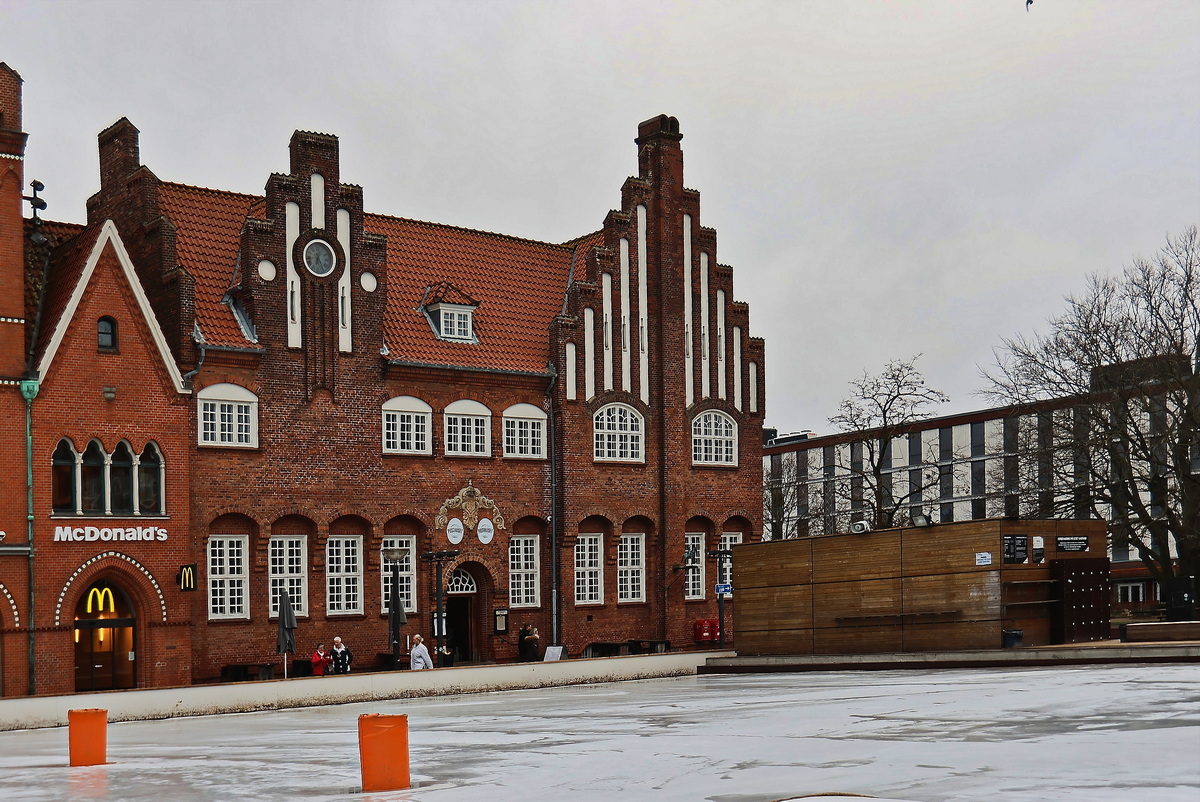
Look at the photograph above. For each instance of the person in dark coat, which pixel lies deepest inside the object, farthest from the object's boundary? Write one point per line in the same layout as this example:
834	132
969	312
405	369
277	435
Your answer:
530	647
342	657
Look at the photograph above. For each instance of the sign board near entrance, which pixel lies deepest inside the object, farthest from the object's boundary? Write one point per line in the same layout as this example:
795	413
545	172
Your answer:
87	534
724	587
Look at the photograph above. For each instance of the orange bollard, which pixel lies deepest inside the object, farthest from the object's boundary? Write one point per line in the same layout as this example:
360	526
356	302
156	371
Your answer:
88	736
383	752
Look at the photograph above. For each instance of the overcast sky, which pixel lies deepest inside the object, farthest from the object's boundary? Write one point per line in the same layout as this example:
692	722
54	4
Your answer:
886	178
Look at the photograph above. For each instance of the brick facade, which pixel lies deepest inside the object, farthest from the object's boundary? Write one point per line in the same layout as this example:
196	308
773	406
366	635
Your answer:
262	383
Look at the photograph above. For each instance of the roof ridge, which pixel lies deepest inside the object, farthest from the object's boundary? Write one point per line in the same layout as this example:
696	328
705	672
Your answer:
451	226
212	190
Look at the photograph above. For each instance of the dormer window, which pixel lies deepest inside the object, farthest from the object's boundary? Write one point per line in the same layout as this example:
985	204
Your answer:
453	321
451	313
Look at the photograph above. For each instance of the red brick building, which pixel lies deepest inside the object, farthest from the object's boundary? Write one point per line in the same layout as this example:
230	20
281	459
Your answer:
277	388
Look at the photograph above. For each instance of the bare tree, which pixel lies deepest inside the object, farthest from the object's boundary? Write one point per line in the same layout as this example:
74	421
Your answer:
1116	379
781	494
880	409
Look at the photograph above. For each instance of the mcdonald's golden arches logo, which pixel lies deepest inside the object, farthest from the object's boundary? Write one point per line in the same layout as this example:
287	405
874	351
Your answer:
98	596
186	578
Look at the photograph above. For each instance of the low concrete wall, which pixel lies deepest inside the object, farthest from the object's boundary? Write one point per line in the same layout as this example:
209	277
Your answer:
198	700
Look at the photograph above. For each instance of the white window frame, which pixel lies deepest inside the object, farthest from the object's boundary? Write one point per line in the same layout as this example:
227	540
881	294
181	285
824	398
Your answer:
455	321
631	567
589	569
1126	590
408	573
618	434
525	432
226	417
714	439
693	583
524	571
343	579
725	567
228	579
471	415
407	424
287	564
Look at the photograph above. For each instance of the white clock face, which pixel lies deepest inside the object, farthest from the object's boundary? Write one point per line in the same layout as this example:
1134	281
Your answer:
319	258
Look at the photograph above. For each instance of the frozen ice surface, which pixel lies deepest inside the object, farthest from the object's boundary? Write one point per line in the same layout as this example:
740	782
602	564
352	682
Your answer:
1090	733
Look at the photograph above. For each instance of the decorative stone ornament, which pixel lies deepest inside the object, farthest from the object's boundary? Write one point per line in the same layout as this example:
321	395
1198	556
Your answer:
469	502
454	531
485	531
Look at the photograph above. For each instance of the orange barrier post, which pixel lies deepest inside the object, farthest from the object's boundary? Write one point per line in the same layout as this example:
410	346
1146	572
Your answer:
88	736
383	752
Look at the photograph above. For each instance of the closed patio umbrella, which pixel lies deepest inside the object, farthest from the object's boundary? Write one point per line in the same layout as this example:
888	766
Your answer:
285	639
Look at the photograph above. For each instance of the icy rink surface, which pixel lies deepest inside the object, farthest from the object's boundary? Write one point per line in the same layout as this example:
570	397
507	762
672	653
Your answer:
1088	733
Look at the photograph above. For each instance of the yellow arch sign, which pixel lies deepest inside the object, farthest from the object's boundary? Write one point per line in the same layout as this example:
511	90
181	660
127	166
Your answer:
98	596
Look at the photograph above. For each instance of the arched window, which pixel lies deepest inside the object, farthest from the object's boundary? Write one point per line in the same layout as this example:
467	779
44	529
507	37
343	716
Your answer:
106	334
120	478
714	439
618	434
150	481
524	431
406	425
468	429
228	416
461	581
63	479
92	479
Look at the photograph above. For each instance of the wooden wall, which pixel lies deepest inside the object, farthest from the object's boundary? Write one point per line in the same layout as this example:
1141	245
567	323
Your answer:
942	587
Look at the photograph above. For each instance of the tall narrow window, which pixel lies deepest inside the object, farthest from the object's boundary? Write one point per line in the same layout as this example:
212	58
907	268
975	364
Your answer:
725	571
343	575
693	586
106	334
92	479
405	569
523	571
63	479
150	481
227	576
120	479
631	568
589	585
287	563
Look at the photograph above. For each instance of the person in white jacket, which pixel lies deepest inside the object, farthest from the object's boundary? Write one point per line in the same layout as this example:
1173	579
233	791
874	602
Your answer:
418	658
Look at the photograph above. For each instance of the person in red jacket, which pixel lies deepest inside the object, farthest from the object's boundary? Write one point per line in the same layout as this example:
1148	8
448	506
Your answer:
321	660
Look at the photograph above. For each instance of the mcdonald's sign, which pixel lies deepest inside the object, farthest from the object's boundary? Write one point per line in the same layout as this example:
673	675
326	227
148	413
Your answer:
97	597
186	578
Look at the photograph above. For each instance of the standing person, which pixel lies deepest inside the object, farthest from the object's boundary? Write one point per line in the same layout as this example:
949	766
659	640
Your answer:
419	658
530	643
321	660
522	649
342	657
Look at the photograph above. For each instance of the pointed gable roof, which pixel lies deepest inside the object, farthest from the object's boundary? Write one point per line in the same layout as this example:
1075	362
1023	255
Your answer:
69	279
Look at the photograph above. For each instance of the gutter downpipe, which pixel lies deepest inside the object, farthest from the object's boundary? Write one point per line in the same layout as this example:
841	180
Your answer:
29	391
555	637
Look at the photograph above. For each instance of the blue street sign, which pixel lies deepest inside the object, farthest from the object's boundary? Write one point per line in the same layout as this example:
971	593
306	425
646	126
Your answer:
725	588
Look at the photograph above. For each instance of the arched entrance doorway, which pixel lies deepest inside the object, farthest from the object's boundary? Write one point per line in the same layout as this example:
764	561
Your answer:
105	657
463	635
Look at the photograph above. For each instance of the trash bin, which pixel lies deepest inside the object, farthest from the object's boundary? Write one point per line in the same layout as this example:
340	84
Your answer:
1011	638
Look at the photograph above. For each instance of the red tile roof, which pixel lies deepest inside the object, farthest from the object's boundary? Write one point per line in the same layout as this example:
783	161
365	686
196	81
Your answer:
66	268
208	226
519	284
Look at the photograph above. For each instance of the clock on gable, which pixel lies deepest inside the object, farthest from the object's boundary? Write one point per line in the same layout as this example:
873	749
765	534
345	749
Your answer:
319	258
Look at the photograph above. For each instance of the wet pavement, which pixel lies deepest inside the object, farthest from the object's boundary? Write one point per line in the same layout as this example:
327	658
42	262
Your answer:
1084	733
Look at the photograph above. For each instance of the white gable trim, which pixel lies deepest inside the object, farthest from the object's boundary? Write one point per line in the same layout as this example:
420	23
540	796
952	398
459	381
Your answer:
109	234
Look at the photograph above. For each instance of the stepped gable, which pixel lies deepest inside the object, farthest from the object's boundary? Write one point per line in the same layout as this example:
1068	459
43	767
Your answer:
518	283
208	225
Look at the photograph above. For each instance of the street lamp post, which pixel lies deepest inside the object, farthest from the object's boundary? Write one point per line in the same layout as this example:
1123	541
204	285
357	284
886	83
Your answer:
439	558
396	615
723	557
